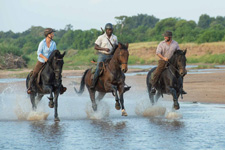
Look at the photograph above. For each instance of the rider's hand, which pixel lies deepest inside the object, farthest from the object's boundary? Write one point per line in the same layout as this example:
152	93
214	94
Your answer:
107	50
46	59
166	59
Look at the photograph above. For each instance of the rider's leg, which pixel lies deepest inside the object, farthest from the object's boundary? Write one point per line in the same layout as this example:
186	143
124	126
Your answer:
36	70
101	58
157	73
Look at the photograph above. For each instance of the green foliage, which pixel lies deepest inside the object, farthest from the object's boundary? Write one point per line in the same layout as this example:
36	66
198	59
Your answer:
131	29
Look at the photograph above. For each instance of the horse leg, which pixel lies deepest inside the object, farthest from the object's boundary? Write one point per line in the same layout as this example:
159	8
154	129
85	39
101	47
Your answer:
92	96
117	105
51	103
150	94
100	96
56	95
175	101
32	99
49	89
121	91
39	97
158	94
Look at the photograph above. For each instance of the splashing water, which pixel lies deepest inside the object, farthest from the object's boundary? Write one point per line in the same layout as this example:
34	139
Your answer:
144	108
102	110
17	106
173	115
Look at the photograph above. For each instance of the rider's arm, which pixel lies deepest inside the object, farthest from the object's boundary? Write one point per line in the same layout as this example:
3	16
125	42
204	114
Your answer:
42	56
40	51
97	47
163	58
159	52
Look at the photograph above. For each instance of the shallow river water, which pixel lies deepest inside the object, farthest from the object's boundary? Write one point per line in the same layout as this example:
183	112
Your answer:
195	126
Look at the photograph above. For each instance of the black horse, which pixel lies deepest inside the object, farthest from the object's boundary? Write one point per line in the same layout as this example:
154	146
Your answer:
48	82
171	79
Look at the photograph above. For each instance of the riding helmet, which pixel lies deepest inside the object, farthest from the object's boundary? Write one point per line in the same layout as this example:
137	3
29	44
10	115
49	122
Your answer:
48	31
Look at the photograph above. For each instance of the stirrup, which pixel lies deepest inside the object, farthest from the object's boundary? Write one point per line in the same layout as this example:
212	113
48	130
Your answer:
29	91
153	90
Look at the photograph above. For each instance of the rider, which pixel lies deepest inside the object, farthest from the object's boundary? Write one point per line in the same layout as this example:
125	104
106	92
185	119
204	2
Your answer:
165	51
45	48
104	48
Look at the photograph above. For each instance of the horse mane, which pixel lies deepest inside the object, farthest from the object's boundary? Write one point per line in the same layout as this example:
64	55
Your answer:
53	54
122	46
175	54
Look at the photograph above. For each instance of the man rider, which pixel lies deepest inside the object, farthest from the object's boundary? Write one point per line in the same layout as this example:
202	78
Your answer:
45	48
165	51
104	48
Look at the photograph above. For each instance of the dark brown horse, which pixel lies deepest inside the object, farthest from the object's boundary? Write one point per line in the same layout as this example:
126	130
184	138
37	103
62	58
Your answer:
112	80
171	80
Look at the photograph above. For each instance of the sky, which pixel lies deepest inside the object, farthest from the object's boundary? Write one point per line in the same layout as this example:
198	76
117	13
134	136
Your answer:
20	15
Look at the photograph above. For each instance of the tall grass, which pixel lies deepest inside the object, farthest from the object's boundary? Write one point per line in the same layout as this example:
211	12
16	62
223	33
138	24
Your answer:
210	58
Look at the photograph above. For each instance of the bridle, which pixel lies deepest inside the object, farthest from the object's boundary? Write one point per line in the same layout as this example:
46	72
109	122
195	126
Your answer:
121	63
177	70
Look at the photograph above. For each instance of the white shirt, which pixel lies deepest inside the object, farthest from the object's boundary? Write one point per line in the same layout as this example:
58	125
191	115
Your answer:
103	42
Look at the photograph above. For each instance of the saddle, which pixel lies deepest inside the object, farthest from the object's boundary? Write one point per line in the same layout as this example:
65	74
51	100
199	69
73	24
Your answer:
38	78
102	67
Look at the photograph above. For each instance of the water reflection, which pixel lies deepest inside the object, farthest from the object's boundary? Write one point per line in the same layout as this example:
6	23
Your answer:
109	125
49	133
176	124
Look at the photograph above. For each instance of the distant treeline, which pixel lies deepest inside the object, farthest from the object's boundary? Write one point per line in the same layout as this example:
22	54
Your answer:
132	29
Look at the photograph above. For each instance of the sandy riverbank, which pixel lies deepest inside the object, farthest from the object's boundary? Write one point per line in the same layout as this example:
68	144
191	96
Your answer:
208	88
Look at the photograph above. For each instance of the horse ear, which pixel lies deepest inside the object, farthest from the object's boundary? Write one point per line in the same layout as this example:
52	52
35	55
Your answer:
127	45
185	51
119	45
64	53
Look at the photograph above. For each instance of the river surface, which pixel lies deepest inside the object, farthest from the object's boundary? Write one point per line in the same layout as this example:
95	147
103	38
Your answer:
196	126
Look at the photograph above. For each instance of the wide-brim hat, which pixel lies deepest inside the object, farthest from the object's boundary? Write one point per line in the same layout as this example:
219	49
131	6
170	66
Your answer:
168	34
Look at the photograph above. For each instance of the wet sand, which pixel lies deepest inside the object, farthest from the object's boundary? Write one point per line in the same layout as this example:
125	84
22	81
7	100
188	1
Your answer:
206	88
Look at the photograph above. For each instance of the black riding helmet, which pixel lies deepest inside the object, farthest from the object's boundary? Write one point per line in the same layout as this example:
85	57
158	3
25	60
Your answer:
108	26
48	31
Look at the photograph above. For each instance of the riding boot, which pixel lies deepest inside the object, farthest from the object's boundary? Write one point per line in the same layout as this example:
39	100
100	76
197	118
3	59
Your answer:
62	89
153	90
183	92
95	79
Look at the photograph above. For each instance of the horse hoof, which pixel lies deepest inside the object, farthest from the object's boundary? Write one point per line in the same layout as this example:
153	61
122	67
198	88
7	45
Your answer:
176	106
57	119
94	107
124	113
117	106
51	104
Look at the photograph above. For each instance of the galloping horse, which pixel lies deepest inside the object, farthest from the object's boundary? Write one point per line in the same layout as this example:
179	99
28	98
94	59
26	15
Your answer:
49	81
112	80
171	80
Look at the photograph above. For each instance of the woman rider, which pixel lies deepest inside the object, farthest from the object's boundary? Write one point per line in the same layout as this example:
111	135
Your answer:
45	48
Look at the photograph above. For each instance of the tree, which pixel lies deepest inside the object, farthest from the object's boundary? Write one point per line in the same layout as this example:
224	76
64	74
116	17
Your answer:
205	21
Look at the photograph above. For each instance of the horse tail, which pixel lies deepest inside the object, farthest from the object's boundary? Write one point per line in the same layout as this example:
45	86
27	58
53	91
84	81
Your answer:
82	84
148	80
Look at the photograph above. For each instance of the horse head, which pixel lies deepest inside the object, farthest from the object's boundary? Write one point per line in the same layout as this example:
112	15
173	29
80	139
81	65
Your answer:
56	62
122	56
179	61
